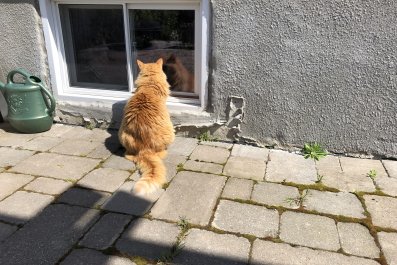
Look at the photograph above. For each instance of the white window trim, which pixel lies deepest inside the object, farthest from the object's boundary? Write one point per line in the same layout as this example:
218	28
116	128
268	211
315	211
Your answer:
57	63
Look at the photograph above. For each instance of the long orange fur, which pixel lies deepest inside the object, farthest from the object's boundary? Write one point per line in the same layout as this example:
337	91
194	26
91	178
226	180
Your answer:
146	129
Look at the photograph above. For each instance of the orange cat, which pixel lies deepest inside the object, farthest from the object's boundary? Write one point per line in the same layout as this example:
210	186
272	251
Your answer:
146	129
179	77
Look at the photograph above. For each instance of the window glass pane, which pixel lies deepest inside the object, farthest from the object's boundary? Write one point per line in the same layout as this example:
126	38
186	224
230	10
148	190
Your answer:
95	46
167	34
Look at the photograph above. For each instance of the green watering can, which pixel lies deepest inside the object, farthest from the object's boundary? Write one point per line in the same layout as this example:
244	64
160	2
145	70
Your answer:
30	105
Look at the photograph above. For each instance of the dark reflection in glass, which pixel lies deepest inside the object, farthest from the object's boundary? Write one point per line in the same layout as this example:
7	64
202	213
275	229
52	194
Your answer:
95	46
167	34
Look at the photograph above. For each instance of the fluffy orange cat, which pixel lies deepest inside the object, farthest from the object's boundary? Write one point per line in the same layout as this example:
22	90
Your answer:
146	129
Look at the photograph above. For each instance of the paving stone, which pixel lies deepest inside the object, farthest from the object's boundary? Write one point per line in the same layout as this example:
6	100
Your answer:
383	210
57	130
203	167
191	195
388	243
9	183
103	152
238	189
56	166
210	154
309	230
41	143
83	197
284	166
75	147
22	206
247	168
171	163
361	167
118	162
274	194
387	185
248	151
46	238
391	167
6	230
204	247
125	201
356	240
104	179
11	157
333	176
89	256
1	169
147	238
182	146
337	203
49	186
246	219
78	133
15	139
217	144
103	234
265	252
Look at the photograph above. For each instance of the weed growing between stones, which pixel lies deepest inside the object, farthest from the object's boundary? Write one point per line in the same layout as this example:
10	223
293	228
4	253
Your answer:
372	174
176	248
314	151
179	167
298	200
319	178
206	137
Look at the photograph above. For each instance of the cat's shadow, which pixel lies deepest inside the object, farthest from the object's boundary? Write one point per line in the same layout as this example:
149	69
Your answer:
112	143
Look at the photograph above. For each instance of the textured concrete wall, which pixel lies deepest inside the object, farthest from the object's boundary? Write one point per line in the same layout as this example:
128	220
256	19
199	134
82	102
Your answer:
21	40
309	71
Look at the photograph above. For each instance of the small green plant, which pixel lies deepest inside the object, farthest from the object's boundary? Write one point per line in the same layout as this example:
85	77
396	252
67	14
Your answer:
89	126
372	174
298	200
176	248
206	137
314	151
319	178
179	167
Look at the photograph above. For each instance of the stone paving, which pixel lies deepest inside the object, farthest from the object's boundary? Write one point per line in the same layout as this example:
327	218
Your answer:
65	198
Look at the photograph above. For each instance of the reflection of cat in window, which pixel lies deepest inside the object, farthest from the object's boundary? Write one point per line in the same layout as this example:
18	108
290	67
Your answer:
178	76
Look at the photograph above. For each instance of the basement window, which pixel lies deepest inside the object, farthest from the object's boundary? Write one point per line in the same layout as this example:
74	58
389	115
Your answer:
98	43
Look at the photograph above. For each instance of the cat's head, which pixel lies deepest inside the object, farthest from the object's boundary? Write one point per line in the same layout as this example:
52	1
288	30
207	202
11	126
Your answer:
150	69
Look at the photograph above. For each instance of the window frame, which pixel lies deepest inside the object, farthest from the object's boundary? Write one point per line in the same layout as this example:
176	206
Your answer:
51	21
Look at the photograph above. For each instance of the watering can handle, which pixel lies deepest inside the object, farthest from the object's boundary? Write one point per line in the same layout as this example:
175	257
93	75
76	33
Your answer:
35	81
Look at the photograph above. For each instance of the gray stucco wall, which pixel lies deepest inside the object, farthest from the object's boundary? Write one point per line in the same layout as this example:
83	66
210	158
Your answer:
321	71
21	40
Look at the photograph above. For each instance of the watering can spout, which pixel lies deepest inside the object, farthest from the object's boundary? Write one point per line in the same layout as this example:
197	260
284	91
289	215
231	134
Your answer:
2	85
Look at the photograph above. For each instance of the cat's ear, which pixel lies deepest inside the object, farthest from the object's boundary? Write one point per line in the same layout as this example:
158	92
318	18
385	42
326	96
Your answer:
160	61
140	64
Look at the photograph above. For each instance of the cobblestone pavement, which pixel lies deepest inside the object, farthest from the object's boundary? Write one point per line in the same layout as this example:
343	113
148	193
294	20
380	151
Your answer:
65	198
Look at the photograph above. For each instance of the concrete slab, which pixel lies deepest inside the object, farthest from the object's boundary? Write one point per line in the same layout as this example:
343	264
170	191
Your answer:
383	210
23	206
203	167
205	247
265	252
247	168
238	189
56	166
104	179
248	151
388	243
10	157
211	154
10	182
48	237
289	167
309	230
274	194
48	186
105	232
89	256
356	240
336	203
246	219
199	192
150	239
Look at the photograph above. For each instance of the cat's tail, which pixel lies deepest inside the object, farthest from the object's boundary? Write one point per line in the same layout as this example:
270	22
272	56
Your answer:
153	172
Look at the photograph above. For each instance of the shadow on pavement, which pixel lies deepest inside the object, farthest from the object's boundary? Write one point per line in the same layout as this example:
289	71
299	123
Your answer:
52	236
